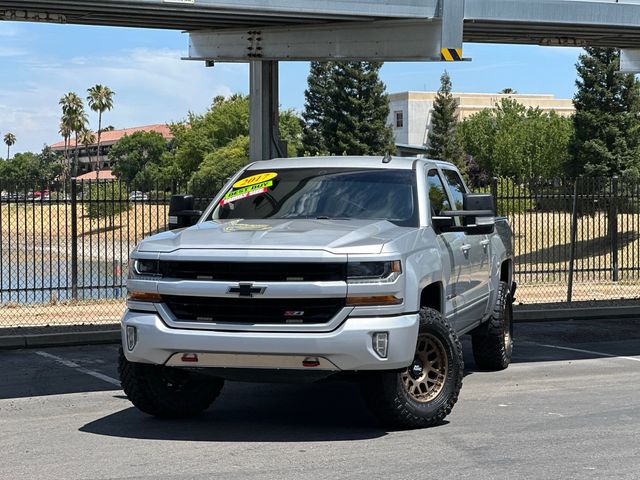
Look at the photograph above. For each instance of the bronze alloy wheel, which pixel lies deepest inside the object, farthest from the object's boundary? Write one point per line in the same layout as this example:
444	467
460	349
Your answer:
424	378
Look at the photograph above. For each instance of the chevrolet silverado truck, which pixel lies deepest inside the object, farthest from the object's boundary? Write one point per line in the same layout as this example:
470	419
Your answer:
370	268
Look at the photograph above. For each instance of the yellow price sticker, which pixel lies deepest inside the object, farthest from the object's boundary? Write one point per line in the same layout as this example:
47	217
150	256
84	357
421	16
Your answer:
253	180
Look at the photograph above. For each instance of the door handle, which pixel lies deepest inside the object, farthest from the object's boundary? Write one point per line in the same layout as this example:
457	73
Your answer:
485	244
465	249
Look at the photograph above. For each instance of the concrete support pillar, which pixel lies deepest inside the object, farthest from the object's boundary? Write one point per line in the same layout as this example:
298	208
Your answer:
264	129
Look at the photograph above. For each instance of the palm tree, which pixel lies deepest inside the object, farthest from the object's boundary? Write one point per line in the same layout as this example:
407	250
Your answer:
65	131
9	139
100	99
75	120
87	138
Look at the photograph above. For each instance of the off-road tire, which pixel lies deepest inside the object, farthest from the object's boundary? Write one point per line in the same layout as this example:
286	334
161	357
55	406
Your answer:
388	394
167	392
492	341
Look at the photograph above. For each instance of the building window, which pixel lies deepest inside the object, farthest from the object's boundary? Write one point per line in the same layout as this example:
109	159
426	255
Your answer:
399	118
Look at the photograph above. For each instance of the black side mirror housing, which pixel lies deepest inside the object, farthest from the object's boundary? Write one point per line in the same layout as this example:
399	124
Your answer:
181	212
481	224
478	214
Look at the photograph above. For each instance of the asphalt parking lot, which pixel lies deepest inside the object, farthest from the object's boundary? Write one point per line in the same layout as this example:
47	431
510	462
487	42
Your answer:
567	408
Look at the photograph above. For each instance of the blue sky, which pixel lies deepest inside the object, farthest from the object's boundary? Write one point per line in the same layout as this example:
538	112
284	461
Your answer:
41	62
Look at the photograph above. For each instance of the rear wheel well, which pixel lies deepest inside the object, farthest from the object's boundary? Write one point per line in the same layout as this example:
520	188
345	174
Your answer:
431	297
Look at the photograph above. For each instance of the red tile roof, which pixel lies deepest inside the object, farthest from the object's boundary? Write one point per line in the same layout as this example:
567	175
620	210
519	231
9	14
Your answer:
103	175
110	137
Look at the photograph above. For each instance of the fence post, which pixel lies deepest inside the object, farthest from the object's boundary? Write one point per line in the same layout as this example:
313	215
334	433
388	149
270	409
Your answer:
494	192
572	248
74	239
613	228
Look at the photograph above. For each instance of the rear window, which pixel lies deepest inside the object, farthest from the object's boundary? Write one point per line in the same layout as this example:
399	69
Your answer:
327	193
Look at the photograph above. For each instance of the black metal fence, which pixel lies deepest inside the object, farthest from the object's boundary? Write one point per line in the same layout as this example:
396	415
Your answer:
64	252
574	239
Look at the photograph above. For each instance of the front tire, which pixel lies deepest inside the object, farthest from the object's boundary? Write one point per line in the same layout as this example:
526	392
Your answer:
424	393
166	392
492	341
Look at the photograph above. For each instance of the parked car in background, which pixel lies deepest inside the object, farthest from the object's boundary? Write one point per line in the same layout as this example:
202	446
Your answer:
44	195
138	196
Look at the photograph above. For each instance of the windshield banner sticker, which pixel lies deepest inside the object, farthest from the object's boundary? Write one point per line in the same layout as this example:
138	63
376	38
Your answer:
255	179
250	191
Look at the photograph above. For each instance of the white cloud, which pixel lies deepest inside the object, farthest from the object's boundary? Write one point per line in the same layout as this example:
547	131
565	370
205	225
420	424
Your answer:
151	85
12	52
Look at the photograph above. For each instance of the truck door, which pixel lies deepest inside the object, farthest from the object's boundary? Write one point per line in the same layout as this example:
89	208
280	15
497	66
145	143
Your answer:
478	256
455	263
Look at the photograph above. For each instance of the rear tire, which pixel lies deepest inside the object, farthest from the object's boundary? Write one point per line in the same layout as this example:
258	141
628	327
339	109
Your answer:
167	392
492	341
423	394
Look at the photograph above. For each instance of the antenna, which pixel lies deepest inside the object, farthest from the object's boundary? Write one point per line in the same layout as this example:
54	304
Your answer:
387	158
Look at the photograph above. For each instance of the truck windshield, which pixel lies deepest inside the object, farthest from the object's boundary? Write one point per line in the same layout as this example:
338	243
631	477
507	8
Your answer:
322	193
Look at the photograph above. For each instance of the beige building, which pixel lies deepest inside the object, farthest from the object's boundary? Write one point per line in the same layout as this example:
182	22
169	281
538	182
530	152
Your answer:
410	112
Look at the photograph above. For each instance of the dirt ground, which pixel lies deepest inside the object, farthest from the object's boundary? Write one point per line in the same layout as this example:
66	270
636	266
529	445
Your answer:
79	313
38	223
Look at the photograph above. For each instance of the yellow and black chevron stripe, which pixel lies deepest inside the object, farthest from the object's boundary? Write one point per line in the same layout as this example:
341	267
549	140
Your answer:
451	54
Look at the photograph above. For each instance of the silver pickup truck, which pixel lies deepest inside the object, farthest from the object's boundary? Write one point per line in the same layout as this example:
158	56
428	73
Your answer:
366	267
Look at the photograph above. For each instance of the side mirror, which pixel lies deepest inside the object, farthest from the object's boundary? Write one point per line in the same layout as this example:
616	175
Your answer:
181	212
478	213
481	224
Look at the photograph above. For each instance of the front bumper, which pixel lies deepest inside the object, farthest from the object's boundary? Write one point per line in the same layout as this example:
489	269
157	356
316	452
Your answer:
349	347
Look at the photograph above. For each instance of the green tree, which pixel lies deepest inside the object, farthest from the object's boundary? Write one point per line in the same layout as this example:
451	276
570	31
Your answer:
100	100
317	107
109	199
226	121
133	156
346	110
607	123
30	171
9	140
513	141
218	166
443	142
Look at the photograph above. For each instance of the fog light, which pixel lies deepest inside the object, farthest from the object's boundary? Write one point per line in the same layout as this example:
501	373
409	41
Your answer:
381	343
132	337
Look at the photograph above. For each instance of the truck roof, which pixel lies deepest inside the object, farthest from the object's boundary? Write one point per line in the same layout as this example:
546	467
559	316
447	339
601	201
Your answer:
402	163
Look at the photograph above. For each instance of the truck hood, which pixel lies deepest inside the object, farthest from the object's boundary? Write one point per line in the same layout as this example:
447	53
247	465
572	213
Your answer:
336	236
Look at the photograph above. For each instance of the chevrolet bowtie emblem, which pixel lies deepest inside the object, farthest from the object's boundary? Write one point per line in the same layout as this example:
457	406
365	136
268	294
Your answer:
246	290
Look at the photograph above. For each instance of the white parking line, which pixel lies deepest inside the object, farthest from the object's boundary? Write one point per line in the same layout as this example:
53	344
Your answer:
70	364
591	352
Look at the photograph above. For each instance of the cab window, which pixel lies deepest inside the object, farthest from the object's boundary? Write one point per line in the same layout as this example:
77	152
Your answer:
438	199
456	187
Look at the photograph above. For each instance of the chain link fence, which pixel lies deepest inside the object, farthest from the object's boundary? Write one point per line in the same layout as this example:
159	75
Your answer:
64	252
574	240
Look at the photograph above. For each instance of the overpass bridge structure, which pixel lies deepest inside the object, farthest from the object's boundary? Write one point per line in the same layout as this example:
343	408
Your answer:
264	32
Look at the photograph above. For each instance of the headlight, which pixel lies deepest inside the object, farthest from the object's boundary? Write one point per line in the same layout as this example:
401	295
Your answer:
373	272
146	268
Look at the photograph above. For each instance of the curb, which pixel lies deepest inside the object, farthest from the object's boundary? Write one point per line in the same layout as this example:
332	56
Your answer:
59	339
102	337
564	314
